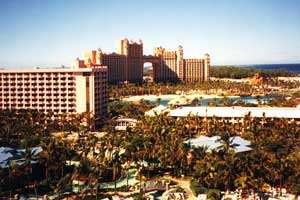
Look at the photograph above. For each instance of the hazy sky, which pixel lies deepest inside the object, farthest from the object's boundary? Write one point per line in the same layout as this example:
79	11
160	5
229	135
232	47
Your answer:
54	32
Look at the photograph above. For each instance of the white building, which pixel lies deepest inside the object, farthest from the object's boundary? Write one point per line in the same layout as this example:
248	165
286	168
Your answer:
121	124
237	112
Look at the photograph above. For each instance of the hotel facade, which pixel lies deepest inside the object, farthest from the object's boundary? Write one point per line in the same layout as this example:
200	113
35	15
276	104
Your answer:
56	90
168	65
173	67
124	66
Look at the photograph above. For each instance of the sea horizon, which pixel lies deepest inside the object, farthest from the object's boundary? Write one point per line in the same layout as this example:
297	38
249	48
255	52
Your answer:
292	67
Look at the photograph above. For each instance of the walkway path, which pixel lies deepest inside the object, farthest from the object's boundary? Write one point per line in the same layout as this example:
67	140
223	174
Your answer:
185	184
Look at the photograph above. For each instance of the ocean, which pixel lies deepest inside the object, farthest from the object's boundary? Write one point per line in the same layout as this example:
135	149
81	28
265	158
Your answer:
294	68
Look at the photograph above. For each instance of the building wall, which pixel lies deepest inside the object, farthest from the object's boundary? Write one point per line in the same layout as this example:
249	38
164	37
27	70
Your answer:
117	67
168	65
175	68
134	60
168	69
127	65
89	56
58	90
100	95
206	67
81	99
194	70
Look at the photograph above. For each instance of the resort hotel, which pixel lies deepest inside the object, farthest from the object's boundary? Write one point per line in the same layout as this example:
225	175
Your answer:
56	90
84	86
168	65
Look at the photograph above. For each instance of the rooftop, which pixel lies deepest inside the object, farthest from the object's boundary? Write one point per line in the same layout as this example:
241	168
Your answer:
58	69
237	112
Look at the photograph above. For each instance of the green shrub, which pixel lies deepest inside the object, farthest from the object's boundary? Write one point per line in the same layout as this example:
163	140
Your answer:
179	189
139	197
214	194
197	189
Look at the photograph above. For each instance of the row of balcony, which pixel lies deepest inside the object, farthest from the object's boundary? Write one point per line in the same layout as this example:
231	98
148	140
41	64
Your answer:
35	105
37	89
35	93
28	82
35	80
42	105
38	100
41	83
20	106
5	80
55	74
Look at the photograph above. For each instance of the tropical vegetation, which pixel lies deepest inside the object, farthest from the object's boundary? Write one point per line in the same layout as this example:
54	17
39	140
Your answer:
160	142
155	146
245	72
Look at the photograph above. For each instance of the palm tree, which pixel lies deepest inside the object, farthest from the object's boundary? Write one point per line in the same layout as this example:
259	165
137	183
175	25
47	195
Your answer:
116	163
12	171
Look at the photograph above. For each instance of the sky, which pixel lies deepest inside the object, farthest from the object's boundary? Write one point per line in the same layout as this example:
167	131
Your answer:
51	33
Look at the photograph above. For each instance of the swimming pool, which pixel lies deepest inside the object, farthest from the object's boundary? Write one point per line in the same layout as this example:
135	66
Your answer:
203	99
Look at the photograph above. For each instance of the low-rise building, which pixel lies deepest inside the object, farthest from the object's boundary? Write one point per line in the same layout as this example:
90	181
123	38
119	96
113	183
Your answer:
236	112
121	124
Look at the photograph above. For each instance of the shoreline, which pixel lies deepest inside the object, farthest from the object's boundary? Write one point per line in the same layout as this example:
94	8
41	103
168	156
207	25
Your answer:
173	96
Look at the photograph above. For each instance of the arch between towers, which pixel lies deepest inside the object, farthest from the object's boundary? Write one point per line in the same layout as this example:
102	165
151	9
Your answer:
156	64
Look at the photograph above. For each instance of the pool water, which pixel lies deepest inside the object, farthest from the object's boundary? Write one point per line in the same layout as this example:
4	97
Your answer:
164	100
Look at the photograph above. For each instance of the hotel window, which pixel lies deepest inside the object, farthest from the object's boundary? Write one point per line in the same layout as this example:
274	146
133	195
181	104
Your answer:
86	73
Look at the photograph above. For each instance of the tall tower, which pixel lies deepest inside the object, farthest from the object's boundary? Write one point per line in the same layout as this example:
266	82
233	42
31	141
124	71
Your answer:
123	46
134	57
99	57
206	67
89	57
180	64
158	68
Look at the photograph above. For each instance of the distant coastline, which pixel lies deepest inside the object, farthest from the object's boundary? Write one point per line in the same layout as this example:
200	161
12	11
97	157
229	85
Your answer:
293	68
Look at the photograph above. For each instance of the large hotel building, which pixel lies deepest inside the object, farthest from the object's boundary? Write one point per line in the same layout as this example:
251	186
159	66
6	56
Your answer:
171	66
168	65
83	87
124	66
56	90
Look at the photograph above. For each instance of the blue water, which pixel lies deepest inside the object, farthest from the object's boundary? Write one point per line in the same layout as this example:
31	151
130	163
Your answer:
294	68
246	99
204	102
